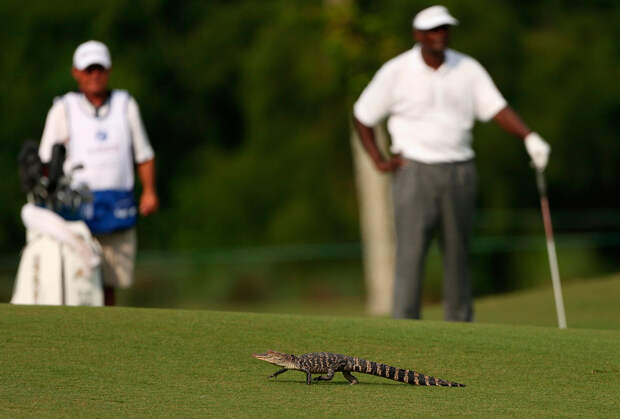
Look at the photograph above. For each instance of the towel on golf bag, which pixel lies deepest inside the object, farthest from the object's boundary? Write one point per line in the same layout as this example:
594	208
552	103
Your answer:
60	263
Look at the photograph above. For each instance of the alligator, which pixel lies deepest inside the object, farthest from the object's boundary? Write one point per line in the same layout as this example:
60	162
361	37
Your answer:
329	363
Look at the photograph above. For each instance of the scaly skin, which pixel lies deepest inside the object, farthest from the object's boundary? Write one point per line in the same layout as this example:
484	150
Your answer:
329	364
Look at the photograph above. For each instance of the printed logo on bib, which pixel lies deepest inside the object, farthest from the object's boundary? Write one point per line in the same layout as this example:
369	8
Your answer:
125	212
101	135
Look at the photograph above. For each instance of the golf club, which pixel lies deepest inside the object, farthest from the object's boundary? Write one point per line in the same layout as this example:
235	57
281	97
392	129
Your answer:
553	258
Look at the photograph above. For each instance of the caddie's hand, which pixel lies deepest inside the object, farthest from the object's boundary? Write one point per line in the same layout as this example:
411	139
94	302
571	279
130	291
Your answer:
391	165
149	203
538	149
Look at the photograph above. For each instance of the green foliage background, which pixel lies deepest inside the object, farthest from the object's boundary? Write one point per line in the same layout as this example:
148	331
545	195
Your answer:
248	103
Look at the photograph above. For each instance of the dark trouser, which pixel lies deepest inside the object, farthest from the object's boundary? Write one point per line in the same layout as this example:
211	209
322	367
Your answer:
427	197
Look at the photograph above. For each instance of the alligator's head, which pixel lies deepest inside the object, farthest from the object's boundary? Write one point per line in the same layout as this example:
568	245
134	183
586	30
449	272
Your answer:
278	358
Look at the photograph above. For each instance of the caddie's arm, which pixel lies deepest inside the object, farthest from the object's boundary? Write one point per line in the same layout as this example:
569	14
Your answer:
537	148
367	137
148	200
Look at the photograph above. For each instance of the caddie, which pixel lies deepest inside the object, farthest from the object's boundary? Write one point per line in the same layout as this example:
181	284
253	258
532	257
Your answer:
431	96
103	131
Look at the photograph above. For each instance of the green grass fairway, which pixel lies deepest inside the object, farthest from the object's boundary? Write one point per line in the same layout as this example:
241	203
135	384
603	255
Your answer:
111	362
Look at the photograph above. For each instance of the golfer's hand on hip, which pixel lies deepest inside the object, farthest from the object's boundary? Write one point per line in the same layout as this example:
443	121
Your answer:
390	165
538	149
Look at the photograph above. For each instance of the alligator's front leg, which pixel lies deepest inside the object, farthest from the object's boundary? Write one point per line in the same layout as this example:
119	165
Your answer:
275	374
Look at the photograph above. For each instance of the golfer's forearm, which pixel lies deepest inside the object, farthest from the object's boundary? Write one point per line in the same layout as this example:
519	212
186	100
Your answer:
511	122
146	173
367	137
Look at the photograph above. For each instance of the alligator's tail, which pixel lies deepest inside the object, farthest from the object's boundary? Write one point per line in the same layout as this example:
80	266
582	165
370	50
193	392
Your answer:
398	374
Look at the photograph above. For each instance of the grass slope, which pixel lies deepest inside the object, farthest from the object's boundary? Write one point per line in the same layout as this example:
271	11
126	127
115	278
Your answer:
589	304
59	361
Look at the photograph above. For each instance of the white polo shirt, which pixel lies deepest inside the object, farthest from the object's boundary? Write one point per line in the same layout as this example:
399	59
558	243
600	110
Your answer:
431	112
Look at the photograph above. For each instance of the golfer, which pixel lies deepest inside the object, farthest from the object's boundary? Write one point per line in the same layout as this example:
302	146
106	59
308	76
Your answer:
432	96
103	131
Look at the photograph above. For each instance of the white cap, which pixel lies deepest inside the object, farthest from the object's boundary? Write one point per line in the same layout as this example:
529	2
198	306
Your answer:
432	17
91	52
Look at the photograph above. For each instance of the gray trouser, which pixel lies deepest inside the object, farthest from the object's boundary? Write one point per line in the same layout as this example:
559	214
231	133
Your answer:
428	197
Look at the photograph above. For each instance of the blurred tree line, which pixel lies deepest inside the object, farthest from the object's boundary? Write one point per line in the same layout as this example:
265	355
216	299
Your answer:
248	104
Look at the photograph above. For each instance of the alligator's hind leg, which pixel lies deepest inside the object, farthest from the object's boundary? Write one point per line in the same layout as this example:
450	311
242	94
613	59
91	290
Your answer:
275	374
350	377
329	376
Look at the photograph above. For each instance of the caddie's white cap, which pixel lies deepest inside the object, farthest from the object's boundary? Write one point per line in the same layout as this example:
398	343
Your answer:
91	52
433	16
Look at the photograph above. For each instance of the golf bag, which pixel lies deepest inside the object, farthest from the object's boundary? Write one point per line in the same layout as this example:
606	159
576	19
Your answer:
60	264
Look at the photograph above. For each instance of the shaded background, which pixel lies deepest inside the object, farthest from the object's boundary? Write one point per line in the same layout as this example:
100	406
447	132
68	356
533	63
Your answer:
247	104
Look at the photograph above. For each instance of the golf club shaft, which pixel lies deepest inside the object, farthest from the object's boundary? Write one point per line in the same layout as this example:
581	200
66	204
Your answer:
553	258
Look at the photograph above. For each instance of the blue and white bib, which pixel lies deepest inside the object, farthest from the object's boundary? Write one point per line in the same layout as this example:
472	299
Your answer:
102	145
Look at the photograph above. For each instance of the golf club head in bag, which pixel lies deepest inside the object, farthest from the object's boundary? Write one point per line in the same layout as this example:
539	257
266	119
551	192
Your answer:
55	170
29	166
47	185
